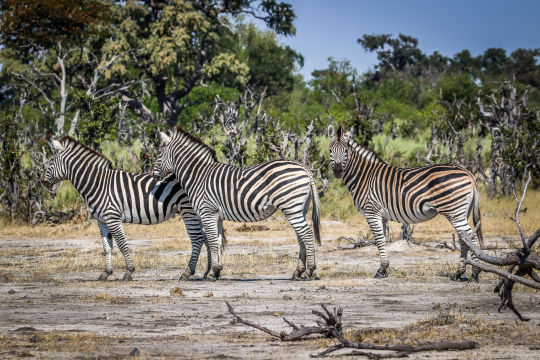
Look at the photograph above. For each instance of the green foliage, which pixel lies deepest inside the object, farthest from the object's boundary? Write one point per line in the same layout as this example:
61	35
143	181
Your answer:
10	162
337	201
270	64
32	25
97	121
522	145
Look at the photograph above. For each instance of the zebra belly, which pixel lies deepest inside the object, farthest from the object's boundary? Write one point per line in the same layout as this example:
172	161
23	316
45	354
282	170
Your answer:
261	215
427	213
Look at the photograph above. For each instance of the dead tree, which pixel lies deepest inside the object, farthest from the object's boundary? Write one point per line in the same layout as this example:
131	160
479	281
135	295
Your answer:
520	262
330	325
508	119
75	68
227	115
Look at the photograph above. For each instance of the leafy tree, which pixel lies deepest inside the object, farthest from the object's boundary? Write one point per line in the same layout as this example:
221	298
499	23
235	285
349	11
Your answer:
270	64
34	25
394	54
98	121
182	44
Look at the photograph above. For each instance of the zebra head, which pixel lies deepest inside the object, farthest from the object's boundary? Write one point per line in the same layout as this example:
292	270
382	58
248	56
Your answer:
164	164
339	150
55	168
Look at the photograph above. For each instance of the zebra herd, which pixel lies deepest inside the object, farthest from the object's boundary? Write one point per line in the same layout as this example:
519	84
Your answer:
205	192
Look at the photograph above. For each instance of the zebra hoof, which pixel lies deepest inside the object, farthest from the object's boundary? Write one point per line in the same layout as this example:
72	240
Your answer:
217	275
459	278
297	276
104	275
210	278
380	274
474	278
183	277
310	278
127	277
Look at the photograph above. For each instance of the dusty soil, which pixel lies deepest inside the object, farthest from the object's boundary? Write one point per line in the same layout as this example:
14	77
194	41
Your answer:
52	307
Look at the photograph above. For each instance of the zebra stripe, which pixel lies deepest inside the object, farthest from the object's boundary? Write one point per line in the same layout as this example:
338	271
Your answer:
219	191
383	192
115	197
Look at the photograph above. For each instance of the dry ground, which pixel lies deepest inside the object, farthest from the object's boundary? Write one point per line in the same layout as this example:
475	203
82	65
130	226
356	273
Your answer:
52	307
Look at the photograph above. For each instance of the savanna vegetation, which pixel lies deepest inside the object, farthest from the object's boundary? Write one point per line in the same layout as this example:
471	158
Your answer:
111	73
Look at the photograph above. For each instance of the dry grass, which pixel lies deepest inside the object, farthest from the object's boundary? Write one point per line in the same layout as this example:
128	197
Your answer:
25	342
494	221
29	265
450	325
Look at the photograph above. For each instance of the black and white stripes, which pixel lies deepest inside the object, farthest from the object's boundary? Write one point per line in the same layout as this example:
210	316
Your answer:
407	195
218	191
115	196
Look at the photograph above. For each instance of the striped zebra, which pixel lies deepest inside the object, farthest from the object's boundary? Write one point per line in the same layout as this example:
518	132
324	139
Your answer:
115	196
382	192
245	194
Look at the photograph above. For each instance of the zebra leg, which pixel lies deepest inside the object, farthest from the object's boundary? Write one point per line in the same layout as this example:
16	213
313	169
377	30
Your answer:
210	223
197	237
118	232
461	224
107	240
301	267
208	252
306	255
376	226
209	256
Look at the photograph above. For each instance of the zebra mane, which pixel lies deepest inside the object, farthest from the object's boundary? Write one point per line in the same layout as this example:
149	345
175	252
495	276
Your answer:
364	151
69	140
193	138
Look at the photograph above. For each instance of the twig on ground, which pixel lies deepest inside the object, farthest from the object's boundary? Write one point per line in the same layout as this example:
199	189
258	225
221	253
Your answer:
361	242
329	324
332	323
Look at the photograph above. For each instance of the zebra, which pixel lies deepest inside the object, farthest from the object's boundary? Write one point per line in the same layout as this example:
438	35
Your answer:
382	192
243	194
115	196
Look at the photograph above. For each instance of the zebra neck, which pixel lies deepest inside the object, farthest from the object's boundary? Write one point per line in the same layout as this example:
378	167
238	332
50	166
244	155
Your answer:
84	173
361	167
190	165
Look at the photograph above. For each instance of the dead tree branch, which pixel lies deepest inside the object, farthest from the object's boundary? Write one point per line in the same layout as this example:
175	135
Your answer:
330	325
521	262
400	350
361	242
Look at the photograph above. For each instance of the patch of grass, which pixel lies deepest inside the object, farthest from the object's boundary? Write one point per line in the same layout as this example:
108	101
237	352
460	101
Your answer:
449	325
110	299
35	342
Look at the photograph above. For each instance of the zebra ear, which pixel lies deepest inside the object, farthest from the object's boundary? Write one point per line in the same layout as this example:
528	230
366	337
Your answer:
348	134
164	137
57	144
330	131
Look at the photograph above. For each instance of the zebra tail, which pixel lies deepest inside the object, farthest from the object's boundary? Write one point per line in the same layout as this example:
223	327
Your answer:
315	213
477	218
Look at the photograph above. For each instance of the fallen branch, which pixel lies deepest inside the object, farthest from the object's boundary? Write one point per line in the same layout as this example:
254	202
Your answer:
522	261
400	350
361	242
331	324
